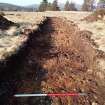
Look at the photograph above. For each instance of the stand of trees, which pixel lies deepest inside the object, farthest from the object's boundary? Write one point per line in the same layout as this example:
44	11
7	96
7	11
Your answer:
45	6
70	6
88	5
55	6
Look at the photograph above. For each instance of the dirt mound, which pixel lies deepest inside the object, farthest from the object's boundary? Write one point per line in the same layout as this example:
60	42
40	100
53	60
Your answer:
95	16
5	24
57	58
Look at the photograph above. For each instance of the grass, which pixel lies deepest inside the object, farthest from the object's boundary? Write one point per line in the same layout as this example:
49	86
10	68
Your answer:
10	42
9	45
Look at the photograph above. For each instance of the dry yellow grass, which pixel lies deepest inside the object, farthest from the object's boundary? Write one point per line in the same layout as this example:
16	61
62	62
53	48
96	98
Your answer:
10	42
9	45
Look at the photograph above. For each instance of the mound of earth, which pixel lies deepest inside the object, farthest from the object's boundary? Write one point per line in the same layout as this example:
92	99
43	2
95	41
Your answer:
57	58
5	24
95	16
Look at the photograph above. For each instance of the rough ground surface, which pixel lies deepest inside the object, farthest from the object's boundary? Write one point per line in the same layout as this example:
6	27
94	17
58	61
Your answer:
61	61
58	59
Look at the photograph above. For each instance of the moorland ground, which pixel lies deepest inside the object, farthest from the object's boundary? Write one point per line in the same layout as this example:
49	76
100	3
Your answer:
66	54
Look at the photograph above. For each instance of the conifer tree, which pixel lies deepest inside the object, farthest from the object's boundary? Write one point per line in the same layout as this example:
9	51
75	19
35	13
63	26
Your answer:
87	5
55	6
67	6
72	7
49	7
43	6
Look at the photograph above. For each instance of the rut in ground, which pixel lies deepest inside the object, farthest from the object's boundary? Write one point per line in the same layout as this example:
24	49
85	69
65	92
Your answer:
57	60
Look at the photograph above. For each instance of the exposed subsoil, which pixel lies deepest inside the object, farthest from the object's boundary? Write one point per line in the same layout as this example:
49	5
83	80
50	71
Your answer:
57	58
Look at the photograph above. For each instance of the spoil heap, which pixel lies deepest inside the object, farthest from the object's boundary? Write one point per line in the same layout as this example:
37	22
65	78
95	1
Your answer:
56	58
95	16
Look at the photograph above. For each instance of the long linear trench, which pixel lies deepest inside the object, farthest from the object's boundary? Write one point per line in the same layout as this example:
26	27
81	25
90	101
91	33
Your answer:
57	59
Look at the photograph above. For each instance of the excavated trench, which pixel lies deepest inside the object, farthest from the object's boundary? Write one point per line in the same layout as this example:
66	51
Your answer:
56	58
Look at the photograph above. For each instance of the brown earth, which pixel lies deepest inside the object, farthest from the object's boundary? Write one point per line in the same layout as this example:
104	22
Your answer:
58	58
95	16
91	18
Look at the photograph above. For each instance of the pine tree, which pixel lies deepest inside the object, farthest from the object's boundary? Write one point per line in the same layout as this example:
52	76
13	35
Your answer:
72	7
67	6
43	6
49	7
87	5
55	6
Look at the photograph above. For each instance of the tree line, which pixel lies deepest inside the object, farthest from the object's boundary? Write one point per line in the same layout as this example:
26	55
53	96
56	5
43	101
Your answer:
46	6
88	5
